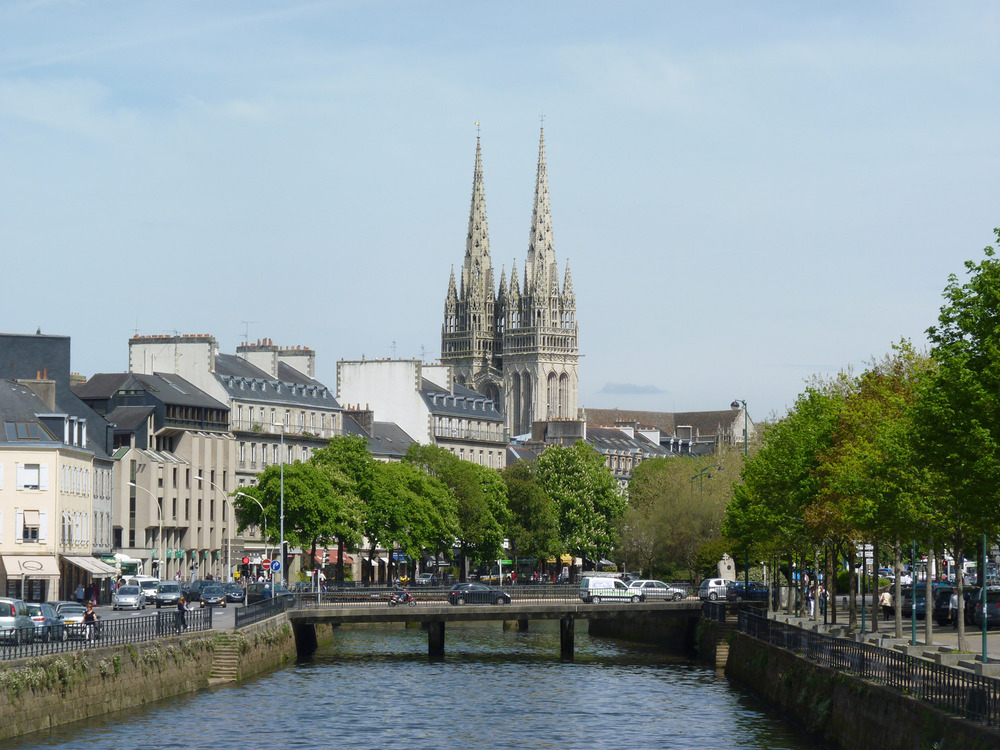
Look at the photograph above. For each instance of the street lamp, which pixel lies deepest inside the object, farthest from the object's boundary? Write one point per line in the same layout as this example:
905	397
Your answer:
281	555
159	515
262	515
701	475
229	528
746	436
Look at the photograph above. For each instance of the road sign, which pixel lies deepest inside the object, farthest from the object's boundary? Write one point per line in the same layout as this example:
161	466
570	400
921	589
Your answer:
266	564
275	565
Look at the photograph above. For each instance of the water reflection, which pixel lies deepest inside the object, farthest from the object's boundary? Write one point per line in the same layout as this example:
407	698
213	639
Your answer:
376	688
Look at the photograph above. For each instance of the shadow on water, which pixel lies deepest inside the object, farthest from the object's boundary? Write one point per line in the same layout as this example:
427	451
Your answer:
376	688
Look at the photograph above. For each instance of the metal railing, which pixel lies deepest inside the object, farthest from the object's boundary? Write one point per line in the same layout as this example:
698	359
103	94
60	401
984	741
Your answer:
714	611
352	597
951	689
73	637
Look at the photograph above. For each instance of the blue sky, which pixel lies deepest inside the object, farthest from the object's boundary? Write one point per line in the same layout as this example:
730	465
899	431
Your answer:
749	194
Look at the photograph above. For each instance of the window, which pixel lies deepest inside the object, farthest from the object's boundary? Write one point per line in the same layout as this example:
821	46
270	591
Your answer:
32	477
31	523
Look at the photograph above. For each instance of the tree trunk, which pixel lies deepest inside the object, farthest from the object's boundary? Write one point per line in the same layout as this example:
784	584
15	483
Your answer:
816	617
852	590
959	584
832	589
791	588
340	561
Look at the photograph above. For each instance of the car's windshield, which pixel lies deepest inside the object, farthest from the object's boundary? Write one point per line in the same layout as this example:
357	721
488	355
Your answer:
168	588
212	590
128	591
74	609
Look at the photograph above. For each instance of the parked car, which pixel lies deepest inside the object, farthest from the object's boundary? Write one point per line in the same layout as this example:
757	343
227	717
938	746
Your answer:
942	597
167	594
992	609
650	590
257	592
148	585
213	596
907	606
597	589
16	625
425	579
234	592
476	593
128	597
712	589
48	626
737	591
192	591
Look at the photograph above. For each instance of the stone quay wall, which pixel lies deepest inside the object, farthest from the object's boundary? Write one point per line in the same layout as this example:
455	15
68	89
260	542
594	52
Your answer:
44	692
842	711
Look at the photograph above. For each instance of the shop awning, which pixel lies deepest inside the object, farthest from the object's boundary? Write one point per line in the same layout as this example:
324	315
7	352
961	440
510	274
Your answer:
333	557
31	566
92	565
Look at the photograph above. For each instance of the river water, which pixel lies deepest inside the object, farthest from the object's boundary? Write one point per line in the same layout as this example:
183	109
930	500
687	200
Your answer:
376	688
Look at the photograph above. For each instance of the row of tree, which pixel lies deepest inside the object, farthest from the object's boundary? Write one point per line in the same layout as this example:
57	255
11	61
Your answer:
433	503
909	449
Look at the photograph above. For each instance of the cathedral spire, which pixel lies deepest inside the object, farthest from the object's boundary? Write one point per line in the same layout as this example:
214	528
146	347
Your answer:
567	289
540	270
477	272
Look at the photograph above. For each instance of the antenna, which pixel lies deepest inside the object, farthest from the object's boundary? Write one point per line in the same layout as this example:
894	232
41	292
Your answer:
246	330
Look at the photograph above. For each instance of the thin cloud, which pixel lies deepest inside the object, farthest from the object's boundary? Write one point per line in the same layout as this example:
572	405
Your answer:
630	389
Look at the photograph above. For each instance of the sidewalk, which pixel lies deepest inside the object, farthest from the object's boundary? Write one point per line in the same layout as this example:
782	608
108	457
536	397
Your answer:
943	648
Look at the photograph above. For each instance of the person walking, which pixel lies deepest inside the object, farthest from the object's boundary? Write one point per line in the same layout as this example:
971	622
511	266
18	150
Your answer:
89	622
953	609
885	601
181	616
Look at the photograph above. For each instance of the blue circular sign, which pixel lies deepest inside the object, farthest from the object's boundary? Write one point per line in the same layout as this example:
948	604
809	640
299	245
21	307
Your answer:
275	564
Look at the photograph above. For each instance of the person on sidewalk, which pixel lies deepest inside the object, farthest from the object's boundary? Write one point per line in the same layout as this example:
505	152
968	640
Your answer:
953	609
885	601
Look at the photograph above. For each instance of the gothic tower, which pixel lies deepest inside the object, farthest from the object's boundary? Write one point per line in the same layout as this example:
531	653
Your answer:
517	345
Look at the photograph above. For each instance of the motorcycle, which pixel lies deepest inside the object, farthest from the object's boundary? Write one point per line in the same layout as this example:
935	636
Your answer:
402	597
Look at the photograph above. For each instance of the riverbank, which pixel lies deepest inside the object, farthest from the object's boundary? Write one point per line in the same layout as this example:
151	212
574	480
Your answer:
44	692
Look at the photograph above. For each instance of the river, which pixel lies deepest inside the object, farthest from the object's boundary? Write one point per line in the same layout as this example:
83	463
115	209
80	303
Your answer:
376	688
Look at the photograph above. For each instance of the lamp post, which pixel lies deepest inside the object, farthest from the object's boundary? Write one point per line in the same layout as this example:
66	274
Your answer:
746	436
701	475
263	516
159	516
229	528
281	555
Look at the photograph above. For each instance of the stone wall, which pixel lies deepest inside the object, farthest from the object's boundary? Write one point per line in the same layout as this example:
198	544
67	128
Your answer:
674	631
845	712
44	692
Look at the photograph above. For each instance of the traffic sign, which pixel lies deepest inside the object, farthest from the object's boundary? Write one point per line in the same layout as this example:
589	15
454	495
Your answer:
275	565
266	564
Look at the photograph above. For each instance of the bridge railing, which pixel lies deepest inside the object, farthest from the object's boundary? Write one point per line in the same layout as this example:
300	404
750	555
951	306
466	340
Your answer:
72	637
958	691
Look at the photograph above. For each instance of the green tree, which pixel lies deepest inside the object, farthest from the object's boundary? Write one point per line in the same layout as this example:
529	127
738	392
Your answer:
587	498
533	531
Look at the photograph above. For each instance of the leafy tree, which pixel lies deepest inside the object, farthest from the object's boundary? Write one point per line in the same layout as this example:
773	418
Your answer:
533	531
587	498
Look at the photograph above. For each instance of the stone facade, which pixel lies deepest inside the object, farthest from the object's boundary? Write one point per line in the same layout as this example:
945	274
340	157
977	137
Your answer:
518	344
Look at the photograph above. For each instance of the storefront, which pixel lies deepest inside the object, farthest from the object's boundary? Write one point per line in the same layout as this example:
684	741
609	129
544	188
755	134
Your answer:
34	578
87	572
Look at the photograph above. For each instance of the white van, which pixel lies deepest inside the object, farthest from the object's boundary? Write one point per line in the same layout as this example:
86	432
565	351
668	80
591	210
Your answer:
597	589
148	585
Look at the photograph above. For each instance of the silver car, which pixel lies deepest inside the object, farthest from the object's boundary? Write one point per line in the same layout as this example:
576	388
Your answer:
128	597
658	590
16	625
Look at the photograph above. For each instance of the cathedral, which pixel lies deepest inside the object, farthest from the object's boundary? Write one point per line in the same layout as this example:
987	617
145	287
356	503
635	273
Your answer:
516	343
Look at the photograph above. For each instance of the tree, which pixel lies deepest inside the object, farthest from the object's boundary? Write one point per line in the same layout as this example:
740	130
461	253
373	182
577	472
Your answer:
587	498
532	531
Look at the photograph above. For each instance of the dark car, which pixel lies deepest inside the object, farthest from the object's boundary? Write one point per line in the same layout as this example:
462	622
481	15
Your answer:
476	593
48	625
992	609
942	597
234	592
737	591
257	592
921	605
213	595
192	591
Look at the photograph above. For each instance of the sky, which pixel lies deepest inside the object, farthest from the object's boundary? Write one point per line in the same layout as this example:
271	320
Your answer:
749	194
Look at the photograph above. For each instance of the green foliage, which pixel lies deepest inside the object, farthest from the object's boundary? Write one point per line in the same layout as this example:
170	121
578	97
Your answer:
587	498
533	531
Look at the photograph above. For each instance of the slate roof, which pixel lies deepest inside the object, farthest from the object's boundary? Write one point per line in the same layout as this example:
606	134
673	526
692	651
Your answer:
18	403
386	438
461	402
129	418
247	382
164	386
705	423
610	440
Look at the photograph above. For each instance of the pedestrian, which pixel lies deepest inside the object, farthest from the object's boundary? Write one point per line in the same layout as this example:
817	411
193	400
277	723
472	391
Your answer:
89	621
885	601
823	596
96	591
181	616
953	609
79	593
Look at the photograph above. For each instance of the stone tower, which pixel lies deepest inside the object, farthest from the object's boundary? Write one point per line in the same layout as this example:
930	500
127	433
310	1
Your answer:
518	344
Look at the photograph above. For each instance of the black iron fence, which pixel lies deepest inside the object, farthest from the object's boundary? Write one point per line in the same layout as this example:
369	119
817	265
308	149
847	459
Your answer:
72	636
952	689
